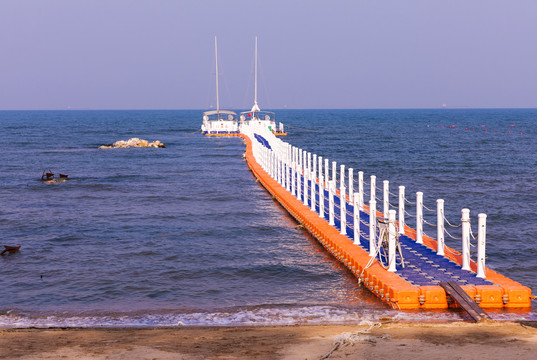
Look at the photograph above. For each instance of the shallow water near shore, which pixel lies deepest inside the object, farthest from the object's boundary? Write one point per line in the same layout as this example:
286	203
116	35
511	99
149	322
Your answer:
185	236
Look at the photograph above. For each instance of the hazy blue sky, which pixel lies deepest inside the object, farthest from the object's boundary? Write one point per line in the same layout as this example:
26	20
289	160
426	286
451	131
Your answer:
158	54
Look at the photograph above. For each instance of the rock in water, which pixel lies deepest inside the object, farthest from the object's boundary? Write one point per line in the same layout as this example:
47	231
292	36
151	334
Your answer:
133	142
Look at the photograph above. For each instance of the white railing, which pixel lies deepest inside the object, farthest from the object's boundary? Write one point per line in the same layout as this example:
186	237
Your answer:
297	171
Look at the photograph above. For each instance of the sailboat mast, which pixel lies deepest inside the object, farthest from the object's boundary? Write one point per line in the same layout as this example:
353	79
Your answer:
255	91
216	61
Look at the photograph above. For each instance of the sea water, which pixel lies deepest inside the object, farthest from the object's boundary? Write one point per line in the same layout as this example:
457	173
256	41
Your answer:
184	235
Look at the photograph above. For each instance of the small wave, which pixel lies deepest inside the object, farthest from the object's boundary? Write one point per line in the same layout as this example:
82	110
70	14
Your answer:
267	315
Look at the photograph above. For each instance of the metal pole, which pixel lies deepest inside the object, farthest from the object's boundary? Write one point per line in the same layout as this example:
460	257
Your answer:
465	239
392	232
440	226
481	243
419	217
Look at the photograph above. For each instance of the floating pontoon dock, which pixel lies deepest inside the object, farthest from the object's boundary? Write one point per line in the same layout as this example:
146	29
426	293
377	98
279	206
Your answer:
403	267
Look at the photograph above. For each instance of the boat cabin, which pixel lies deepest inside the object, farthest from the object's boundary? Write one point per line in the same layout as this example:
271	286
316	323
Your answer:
220	122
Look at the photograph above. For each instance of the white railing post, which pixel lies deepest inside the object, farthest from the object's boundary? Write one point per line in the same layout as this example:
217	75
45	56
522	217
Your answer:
320	169
314	163
351	186
309	162
465	239
312	185
481	243
440	227
342	176
419	217
278	163
321	196
373	184
282	171
298	180
269	163
331	202
299	161
401	210
293	178
392	233
326	177
361	190
334	173
273	165
343	210
306	176
372	227
386	198
282	168
286	176
356	218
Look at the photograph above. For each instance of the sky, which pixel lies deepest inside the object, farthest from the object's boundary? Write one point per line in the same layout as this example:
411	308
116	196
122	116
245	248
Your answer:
352	54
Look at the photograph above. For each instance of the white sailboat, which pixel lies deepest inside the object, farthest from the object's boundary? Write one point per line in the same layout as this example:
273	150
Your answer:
219	122
265	118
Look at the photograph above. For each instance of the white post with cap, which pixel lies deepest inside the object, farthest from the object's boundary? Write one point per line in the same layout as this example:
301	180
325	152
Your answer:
440	227
465	219
419	217
392	233
356	218
481	243
326	177
373	183
321	196
372	227
351	186
334	173
386	198
401	210
343	210
361	190
331	202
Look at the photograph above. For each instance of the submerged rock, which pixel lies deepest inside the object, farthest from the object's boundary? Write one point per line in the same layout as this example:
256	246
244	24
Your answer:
133	142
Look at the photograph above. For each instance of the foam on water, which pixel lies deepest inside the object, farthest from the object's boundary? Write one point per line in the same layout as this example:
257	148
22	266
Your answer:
258	316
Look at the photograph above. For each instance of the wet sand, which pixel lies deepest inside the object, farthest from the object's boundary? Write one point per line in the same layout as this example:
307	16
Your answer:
490	340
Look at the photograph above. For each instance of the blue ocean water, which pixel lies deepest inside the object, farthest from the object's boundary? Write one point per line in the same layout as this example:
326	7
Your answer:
185	236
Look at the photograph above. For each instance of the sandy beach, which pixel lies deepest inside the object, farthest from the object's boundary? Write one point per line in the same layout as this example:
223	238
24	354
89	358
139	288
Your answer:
490	340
